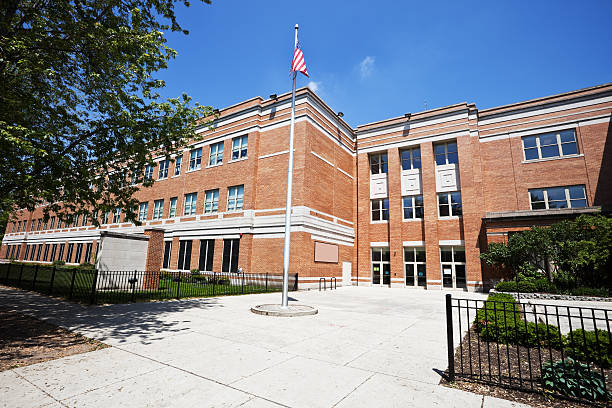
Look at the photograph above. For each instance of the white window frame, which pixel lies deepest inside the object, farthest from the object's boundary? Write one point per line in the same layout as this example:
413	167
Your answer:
148	173
239	146
234	195
158	209
380	165
413	206
211	202
559	144
412	153
453	263
162	172
568	199
178	161
117	215
446	152
52	223
195	159
215	156
415	264
380	210
451	213
190	203
143	211
172	207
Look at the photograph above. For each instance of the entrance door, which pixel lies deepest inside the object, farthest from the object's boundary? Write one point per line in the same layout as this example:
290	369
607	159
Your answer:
381	266
346	274
453	267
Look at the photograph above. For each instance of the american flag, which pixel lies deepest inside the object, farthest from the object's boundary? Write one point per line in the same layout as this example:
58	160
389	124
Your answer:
298	64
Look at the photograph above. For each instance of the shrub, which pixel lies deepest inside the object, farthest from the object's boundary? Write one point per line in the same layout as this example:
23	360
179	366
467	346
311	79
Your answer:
501	320
582	291
574	379
525	286
544	286
58	262
195	271
590	346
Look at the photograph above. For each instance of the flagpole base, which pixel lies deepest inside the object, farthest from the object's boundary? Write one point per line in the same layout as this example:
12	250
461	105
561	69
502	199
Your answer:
288	311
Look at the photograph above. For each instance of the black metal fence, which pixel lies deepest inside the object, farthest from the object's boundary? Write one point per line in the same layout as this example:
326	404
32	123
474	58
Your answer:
561	350
93	286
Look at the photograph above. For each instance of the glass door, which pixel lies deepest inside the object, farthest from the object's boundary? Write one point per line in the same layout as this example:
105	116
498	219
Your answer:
453	267
381	266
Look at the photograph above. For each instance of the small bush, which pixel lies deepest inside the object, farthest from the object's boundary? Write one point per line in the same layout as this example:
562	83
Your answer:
511	286
195	272
58	262
590	346
544	286
574	379
582	291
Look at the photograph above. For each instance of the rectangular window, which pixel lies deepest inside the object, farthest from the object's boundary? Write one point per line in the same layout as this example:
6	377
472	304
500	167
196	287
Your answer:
69	253
557	197
78	252
46	253
61	252
380	209
452	262
235	197
446	153
27	251
414	265
143	211
548	145
172	212
39	224
162	173
413	207
44	226
211	204
207	250
33	253
94	216
184	259
158	209
411	159
117	215
195	160
231	249
88	248
85	220
53	252
177	165
216	154
52	223
449	204
148	172
167	253
190	203
12	255
239	147
378	163
105	217
17	251
39	252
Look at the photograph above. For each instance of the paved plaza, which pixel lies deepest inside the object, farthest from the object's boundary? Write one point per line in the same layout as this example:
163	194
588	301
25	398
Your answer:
367	347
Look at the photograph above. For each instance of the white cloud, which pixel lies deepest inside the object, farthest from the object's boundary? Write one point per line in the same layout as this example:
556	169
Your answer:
314	86
366	67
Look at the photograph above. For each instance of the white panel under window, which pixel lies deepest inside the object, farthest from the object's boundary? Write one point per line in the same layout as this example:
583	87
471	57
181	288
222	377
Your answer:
411	182
378	185
447	178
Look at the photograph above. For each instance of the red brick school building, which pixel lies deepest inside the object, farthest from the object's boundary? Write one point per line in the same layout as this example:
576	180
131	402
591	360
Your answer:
409	201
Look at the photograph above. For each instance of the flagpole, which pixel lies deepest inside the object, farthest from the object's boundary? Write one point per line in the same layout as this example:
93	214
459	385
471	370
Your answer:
285	301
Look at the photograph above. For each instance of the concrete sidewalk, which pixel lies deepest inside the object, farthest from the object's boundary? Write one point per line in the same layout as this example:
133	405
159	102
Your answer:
367	347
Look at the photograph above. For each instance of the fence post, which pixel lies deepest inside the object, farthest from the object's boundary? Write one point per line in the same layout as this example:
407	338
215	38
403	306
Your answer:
266	281
449	338
35	276
20	275
178	287
52	280
74	271
8	272
242	282
214	282
132	297
92	298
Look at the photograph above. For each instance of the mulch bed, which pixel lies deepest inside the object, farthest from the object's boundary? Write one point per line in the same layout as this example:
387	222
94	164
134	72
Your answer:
25	340
509	365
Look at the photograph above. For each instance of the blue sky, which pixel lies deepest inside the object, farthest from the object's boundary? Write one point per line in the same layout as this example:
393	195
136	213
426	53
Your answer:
375	60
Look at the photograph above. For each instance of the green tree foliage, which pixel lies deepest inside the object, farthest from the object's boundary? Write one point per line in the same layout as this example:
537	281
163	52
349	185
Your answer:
80	109
579	252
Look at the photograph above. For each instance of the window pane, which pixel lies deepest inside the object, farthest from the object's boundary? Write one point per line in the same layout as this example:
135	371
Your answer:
419	213
446	255
439	149
568	136
420	256
460	276
556	193
456	197
531	154
578	203
443	199
386	255
375	215
529	141
444	210
550	151
408	213
536	195
375	205
576	192
549	139
457	210
540	205
409	274
376	255
406	164
569	148
451	147
408	254
440	159
453	158
459	255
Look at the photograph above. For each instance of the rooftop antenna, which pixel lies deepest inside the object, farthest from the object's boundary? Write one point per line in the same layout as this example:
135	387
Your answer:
425	103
